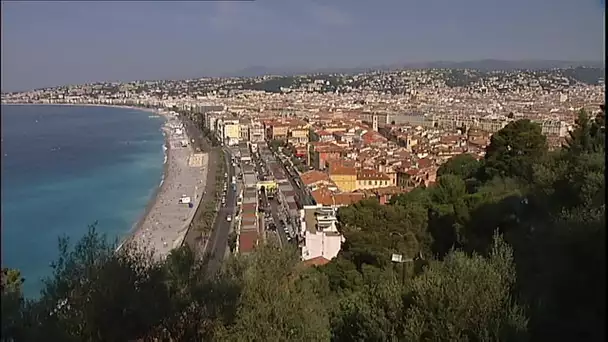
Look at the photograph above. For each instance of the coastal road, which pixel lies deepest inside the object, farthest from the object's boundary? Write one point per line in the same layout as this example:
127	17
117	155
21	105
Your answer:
196	133
193	237
218	240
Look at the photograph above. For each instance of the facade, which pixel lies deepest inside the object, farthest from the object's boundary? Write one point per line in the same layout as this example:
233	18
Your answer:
554	128
321	237
278	132
231	132
413	120
491	124
345	178
299	136
244	131
256	132
370	179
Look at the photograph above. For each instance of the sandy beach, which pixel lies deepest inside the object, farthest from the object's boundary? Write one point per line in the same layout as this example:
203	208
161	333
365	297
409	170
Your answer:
165	221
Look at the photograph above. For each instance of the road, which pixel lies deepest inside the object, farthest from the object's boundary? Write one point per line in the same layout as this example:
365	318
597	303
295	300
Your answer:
193	237
273	204
218	240
274	207
294	178
292	175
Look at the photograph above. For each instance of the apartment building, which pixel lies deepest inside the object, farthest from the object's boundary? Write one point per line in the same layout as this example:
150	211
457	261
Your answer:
298	136
277	131
244	130
256	132
413	119
345	177
491	124
455	122
320	153
231	131
554	128
325	136
321	236
371	179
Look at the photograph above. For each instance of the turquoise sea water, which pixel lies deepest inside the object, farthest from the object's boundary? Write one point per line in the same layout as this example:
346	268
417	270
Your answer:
65	167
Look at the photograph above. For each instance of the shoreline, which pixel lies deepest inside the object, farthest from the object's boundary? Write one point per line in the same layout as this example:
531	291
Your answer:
165	221
136	227
155	203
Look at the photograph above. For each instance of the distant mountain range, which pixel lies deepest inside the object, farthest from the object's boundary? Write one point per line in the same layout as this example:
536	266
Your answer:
485	65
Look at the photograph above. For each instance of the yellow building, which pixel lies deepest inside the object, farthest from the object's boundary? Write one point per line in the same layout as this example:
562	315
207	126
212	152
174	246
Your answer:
370	179
345	178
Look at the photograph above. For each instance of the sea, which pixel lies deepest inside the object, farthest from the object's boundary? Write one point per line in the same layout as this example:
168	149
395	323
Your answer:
65	168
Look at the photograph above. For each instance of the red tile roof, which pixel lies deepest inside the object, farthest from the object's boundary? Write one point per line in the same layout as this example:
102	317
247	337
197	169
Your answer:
312	177
318	261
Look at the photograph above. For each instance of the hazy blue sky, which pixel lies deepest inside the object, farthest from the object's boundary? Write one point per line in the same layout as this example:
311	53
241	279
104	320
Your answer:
53	43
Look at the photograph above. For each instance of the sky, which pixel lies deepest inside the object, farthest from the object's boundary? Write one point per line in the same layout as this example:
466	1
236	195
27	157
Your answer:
57	43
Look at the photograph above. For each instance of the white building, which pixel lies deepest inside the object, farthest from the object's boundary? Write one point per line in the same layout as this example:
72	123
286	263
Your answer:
321	236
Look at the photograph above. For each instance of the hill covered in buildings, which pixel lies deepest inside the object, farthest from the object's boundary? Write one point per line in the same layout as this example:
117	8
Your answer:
507	248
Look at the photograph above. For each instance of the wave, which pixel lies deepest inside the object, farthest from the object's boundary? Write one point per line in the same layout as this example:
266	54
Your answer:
134	142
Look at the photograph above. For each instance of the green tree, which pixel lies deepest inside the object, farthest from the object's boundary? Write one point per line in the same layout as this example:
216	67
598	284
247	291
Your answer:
372	313
447	213
11	280
561	277
497	205
97	294
514	150
463	165
277	302
197	305
587	136
374	231
232	241
12	304
466	299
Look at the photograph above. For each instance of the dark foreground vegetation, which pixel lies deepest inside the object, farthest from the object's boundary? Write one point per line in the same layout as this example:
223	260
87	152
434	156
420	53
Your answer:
509	248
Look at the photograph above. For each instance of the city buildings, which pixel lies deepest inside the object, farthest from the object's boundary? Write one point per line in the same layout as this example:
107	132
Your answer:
369	135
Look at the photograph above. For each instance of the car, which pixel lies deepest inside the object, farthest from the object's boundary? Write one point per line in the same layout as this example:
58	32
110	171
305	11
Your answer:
228	218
